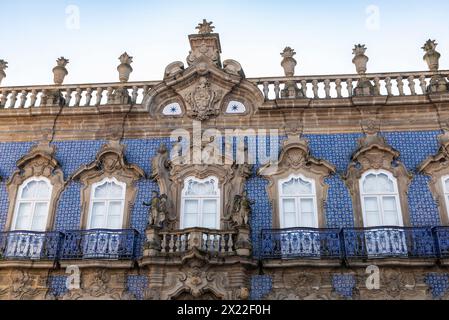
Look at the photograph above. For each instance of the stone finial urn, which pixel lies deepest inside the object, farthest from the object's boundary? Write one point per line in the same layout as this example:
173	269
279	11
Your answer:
3	66
288	63
125	69
432	57
360	60
60	71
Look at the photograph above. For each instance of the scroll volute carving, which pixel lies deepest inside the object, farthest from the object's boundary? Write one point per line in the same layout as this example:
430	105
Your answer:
170	176
110	162
295	158
437	167
39	162
374	153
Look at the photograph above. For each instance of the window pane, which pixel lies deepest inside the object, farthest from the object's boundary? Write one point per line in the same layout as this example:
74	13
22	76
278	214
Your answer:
390	211
289	220
98	215
307	213
115	191
209	221
372	212
385	184
40	216
446	184
23	216
42	190
289	205
191	213
210	206
101	191
115	215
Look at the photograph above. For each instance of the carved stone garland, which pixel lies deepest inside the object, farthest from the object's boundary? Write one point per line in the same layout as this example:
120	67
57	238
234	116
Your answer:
295	158
39	162
374	153
110	162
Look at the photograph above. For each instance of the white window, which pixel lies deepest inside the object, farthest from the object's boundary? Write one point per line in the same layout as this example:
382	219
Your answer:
445	181
107	205
32	205
380	199
200	205
297	202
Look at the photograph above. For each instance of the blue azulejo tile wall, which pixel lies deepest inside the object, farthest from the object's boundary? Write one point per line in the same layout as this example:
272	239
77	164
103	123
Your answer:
337	149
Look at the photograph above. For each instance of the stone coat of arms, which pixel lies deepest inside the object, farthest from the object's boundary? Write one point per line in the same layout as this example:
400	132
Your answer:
203	100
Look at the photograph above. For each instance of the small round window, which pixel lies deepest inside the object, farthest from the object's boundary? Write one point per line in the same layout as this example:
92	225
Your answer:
172	109
235	107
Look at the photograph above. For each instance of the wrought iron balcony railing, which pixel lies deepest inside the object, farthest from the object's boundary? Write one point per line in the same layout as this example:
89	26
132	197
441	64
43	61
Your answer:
29	245
99	244
301	243
442	241
355	243
389	242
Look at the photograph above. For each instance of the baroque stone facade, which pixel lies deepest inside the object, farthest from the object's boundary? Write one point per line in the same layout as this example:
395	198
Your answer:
152	146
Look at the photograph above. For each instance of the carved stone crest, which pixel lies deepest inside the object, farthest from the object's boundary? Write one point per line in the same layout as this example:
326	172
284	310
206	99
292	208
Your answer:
203	100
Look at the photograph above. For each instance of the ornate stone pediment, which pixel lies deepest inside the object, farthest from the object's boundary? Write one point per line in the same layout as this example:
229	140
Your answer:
295	159
202	87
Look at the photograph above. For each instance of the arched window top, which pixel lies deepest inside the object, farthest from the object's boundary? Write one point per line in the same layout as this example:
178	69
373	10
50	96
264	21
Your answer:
297	185
109	188
201	187
235	107
378	182
36	188
172	109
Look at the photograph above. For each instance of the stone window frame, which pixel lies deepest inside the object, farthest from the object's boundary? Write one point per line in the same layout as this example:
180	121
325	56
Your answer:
295	158
313	196
39	162
19	200
395	193
98	184
374	153
109	163
437	168
217	197
170	175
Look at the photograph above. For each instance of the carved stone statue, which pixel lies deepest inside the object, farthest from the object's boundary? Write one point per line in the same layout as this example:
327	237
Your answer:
241	210
154	205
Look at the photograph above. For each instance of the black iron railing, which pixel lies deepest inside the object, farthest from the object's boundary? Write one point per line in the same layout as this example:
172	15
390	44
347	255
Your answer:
99	244
30	245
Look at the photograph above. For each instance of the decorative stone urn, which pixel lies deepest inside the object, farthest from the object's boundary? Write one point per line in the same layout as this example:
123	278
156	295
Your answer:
364	86
125	69
289	63
60	70
3	66
432	57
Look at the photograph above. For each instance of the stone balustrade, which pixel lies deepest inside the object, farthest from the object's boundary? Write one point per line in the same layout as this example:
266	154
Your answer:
83	95
210	241
273	88
343	86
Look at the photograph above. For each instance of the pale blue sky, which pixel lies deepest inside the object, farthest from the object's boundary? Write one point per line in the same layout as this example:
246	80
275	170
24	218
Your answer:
35	33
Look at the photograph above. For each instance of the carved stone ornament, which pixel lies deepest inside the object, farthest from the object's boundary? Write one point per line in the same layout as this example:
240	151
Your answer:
437	167
374	153
25	285
39	162
202	88
171	174
295	159
100	284
109	163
